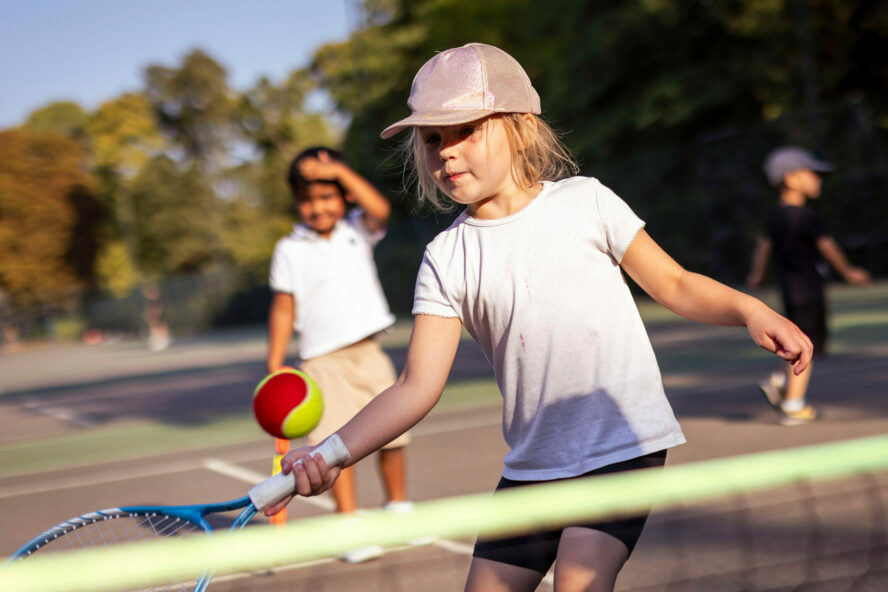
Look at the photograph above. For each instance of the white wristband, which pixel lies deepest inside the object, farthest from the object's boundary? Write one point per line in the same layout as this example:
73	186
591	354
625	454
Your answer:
273	490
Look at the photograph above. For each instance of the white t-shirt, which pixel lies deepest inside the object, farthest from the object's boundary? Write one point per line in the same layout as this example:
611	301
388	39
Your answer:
339	300
542	293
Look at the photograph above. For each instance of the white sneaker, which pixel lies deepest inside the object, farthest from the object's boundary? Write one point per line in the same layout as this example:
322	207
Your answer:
774	389
405	507
362	554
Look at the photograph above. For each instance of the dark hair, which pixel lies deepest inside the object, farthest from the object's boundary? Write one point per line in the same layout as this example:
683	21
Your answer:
298	183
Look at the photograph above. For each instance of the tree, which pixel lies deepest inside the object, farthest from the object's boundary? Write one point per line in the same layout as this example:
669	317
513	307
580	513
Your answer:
124	134
46	215
175	226
62	117
673	103
275	120
194	105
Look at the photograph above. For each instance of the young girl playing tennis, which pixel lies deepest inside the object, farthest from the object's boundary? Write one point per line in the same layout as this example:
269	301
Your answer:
532	269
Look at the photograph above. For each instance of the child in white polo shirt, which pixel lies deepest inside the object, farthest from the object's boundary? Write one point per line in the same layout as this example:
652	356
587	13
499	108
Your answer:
326	288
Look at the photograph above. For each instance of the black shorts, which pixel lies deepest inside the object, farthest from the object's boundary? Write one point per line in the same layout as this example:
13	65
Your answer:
811	319
537	550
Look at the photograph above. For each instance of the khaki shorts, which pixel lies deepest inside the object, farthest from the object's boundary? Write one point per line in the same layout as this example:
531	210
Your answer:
349	378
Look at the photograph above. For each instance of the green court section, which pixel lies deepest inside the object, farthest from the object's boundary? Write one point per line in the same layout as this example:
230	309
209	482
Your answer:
126	441
513	511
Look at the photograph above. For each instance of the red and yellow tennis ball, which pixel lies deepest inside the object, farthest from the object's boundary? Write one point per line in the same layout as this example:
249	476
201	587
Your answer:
288	404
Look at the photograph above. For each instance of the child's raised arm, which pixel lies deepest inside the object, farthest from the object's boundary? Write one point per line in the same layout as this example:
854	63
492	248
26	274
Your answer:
429	358
702	299
358	189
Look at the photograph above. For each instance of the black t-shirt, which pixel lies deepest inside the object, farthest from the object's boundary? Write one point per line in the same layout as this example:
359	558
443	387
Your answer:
794	231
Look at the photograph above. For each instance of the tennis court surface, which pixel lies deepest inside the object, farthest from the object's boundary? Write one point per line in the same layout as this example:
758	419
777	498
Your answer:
83	428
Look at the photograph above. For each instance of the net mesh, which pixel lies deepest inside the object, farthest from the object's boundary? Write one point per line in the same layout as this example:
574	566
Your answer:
809	535
808	519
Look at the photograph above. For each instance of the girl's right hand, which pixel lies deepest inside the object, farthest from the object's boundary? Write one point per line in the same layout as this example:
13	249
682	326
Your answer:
780	336
312	475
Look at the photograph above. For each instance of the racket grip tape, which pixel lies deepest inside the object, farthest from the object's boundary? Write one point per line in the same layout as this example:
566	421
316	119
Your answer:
273	490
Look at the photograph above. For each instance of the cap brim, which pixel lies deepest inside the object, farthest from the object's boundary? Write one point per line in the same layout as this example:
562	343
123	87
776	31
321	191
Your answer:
444	117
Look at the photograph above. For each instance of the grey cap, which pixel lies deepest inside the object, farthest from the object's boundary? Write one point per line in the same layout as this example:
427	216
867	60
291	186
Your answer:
783	161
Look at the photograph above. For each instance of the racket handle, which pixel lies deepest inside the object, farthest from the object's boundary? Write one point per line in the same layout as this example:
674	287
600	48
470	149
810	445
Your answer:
273	490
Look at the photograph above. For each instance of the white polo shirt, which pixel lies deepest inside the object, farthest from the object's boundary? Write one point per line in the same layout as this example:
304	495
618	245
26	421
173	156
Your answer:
542	293
339	300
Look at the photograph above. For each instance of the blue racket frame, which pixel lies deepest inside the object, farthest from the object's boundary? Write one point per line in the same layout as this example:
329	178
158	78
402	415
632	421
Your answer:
194	514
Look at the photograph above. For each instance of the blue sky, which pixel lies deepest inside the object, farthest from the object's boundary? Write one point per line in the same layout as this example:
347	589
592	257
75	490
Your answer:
89	51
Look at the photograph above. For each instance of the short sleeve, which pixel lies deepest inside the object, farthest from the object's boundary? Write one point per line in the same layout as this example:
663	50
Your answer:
430	297
619	224
281	277
355	219
814	227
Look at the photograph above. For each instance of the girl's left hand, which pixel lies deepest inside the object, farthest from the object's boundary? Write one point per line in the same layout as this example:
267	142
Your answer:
782	337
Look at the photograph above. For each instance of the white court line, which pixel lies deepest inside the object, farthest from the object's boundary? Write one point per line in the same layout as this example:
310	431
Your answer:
212	464
452	546
64	414
139	467
252	478
100	478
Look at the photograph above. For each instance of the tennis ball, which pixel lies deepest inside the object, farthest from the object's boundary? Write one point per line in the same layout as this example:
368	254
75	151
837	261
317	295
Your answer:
288	404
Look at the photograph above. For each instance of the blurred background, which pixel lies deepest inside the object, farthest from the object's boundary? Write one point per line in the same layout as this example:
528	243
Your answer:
165	196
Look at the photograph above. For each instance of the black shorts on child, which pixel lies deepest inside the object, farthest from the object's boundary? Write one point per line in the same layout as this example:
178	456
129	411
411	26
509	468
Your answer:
537	550
811	319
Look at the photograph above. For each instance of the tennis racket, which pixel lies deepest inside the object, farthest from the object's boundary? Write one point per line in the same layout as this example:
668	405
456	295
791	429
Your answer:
135	523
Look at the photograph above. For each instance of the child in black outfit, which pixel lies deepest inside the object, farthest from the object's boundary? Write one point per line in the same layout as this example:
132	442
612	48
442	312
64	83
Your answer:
798	242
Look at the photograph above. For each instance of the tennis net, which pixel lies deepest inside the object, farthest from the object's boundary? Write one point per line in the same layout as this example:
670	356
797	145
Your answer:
809	518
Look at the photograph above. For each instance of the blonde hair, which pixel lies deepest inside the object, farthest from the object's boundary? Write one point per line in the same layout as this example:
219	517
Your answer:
536	150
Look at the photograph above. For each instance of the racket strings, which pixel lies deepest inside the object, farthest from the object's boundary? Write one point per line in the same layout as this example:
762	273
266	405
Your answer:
164	526
108	530
123	528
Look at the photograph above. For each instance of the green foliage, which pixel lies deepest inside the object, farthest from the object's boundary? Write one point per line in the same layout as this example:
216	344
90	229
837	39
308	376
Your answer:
193	103
68	328
249	234
175	218
163	186
62	117
273	117
675	104
124	134
116	271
